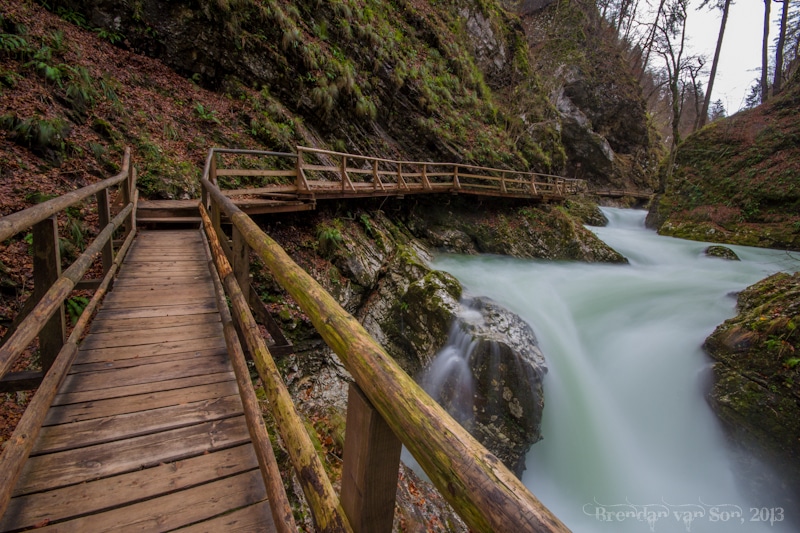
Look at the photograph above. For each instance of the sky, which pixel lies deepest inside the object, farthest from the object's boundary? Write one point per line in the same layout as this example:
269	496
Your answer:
740	59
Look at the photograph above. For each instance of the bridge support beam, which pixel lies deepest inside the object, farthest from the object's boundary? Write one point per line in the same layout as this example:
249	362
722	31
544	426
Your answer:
371	464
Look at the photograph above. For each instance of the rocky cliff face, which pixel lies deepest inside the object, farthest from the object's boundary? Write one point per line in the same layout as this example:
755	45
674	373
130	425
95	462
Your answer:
756	391
473	81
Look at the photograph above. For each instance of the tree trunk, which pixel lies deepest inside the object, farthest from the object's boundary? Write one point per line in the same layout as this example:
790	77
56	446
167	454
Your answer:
777	81
707	101
765	54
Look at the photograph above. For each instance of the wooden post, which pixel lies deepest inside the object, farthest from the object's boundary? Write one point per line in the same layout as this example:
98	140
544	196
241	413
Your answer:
343	170
241	261
425	182
371	464
212	171
375	178
125	190
46	270
456	183
400	176
533	184
503	189
104	216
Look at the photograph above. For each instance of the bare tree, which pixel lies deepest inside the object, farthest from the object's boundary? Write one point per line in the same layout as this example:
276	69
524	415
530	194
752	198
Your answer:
765	54
669	43
777	80
725	6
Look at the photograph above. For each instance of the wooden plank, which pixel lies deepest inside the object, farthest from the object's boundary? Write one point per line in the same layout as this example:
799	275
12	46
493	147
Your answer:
102	460
94	360
207	346
160	279
144	374
101	494
125	426
77	412
137	337
196	308
106	325
257	517
174	510
69	397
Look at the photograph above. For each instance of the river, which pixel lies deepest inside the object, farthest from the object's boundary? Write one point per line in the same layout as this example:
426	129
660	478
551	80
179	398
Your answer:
629	442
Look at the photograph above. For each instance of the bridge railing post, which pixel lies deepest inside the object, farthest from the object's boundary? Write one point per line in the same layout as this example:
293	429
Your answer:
103	218
370	467
46	270
241	261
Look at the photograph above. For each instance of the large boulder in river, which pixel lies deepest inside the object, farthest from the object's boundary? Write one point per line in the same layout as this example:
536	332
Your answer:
756	391
489	377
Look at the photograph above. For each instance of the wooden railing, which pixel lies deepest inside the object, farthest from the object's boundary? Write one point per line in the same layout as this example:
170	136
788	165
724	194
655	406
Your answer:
323	173
43	314
385	406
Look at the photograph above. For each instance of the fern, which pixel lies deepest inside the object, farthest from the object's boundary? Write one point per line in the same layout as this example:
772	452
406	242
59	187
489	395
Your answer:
75	307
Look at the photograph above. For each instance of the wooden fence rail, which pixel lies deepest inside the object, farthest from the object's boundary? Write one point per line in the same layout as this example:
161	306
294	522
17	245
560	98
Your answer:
479	487
46	317
320	173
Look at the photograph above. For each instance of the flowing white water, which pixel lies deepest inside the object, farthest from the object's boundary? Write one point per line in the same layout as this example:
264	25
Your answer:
629	441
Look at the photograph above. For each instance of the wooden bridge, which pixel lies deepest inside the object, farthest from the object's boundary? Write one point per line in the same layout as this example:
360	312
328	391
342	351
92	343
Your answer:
145	416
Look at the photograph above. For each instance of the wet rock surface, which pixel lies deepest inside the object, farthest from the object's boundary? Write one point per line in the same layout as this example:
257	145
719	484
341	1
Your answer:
756	389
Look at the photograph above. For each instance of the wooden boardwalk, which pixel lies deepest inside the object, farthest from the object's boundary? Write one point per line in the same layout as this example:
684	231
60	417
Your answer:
147	431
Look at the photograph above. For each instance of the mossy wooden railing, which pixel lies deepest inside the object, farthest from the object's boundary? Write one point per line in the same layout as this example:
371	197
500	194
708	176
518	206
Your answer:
385	406
43	315
324	173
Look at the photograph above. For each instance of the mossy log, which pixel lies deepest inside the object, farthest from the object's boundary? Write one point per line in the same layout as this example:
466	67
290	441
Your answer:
325	506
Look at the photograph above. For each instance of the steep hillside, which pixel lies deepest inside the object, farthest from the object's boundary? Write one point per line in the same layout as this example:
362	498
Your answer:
461	80
738	179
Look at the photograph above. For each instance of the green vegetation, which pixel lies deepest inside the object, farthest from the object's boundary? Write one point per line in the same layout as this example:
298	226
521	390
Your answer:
329	237
738	179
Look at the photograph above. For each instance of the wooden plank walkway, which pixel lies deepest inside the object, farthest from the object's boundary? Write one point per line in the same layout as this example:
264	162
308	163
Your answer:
147	431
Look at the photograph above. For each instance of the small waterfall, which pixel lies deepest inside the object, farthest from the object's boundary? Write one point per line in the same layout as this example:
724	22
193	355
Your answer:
448	379
629	442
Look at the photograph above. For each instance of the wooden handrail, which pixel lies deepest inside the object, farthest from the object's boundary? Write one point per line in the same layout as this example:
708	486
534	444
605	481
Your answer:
278	501
56	294
22	440
452	177
326	509
16	222
478	486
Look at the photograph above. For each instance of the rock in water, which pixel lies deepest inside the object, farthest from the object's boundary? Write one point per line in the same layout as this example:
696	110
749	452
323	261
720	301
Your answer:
489	377
723	252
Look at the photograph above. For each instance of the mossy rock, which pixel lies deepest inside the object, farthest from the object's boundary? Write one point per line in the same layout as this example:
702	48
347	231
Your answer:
722	252
756	391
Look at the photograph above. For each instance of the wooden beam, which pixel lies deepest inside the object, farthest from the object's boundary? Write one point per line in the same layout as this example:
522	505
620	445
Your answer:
17	381
46	271
16	222
325	506
370	469
103	218
268	465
